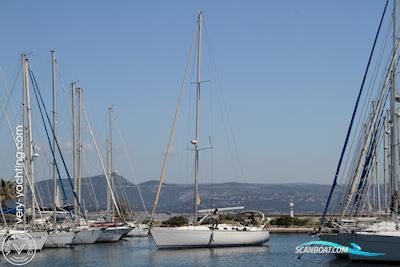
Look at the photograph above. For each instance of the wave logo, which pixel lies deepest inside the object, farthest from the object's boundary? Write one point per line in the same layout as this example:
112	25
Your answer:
330	247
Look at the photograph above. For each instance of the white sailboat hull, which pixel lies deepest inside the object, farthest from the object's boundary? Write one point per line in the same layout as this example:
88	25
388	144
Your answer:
59	239
86	236
239	238
112	234
180	238
39	237
203	236
108	235
139	230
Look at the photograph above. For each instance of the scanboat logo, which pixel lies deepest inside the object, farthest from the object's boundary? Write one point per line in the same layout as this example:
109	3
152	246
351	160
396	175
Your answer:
330	247
19	248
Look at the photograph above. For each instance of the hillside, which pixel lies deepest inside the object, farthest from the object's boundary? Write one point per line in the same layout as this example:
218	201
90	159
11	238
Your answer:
270	198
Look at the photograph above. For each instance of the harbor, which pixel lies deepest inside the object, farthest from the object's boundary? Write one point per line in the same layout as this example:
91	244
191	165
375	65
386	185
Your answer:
201	134
142	252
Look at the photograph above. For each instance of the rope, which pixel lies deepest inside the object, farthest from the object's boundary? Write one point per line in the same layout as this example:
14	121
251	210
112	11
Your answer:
363	111
130	166
172	131
101	161
10	89
375	110
227	121
51	147
38	93
123	194
93	194
15	142
351	171
352	118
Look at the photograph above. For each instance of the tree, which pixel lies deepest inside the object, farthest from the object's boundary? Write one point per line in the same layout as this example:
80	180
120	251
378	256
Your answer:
7	192
289	221
176	221
284	221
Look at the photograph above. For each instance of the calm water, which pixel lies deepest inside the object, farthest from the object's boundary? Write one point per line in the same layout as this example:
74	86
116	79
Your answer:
143	252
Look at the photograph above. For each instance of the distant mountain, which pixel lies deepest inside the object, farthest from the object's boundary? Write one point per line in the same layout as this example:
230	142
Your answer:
178	198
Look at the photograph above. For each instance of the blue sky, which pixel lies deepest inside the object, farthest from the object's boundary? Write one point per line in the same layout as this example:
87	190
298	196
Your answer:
290	72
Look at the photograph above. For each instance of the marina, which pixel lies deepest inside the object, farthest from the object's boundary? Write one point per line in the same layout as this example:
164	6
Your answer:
206	134
143	252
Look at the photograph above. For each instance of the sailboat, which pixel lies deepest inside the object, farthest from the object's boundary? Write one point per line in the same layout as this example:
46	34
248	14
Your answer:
60	235
207	235
83	232
384	236
57	238
381	233
111	231
29	150
39	236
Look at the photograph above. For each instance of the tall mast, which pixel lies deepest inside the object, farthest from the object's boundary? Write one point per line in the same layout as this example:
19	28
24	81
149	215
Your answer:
73	89
386	162
110	208
53	85
79	92
108	200
393	119
196	141
29	146
25	135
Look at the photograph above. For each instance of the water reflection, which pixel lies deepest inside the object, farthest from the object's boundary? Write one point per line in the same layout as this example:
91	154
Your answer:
280	251
203	256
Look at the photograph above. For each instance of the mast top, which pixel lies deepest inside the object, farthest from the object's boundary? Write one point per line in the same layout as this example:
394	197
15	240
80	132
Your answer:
200	17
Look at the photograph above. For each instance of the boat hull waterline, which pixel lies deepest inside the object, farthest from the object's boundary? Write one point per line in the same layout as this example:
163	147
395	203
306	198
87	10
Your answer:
59	239
139	230
112	234
86	236
198	237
